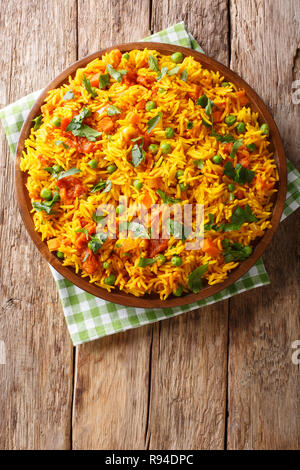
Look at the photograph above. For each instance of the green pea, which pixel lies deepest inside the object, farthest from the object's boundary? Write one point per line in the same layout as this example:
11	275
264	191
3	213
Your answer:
202	101
120	209
247	250
153	148
225	84
118	245
138	184
179	174
183	187
161	90
106	265
46	193
230	120
241	127
176	260
57	168
190	125
110	280
217	159
126	56
178	291
60	254
161	259
111	169
169	132
93	163
150	105
165	147
56	121
264	128
177	57
231	187
252	147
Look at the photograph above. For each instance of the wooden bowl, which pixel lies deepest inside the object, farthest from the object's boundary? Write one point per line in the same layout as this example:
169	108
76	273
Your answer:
153	301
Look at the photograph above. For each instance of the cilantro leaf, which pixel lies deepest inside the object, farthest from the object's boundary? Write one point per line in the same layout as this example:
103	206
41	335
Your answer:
184	75
222	138
237	144
139	230
177	229
102	185
162	73
87	85
165	198
97	241
68	96
173	71
153	122
239	174
104	81
239	217
46	206
194	279
71	171
208	109
88	132
61	142
76	122
83	230
138	155
115	74
112	110
144	262
235	251
153	63
199	163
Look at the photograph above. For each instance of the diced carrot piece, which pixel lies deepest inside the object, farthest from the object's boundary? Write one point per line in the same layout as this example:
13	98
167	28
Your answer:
141	104
133	118
155	183
195	93
210	248
85	146
217	116
147	201
116	56
64	123
91	264
94	80
54	244
147	82
106	125
241	96
228	147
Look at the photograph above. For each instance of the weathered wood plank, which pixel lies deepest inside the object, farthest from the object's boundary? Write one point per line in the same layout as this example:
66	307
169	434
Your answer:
189	360
112	374
36	382
264	385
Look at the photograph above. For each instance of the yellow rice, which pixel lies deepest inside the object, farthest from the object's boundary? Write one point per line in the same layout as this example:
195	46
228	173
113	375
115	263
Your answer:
208	186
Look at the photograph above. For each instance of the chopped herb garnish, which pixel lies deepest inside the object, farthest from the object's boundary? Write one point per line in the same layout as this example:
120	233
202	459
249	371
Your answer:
194	279
83	230
237	144
165	198
177	229
239	217
46	206
104	81
138	155
190	125
102	185
82	130
98	218
222	138
144	262
153	122
184	75
173	71
162	73
199	163
208	110
69	95
87	85
60	142
115	74
112	110
71	171
97	241
138	230
37	122
235	251
153	63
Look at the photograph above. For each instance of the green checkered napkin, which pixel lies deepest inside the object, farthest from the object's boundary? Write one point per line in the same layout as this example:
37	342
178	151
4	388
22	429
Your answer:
89	317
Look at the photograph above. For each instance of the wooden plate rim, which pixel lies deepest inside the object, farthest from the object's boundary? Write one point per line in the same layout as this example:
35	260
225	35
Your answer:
120	297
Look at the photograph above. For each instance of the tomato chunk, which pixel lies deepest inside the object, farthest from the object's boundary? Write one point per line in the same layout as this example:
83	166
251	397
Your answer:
157	246
70	188
147	82
64	123
210	248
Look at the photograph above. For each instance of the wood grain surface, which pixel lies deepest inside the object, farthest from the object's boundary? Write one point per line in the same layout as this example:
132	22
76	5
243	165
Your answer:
221	377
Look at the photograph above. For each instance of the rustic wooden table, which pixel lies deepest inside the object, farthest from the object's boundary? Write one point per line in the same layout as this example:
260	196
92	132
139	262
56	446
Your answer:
220	377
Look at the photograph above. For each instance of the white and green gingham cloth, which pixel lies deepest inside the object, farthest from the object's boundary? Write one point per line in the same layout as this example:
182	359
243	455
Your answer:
89	317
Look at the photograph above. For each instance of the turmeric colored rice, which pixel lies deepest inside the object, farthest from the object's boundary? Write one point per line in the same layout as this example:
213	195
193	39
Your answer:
154	129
